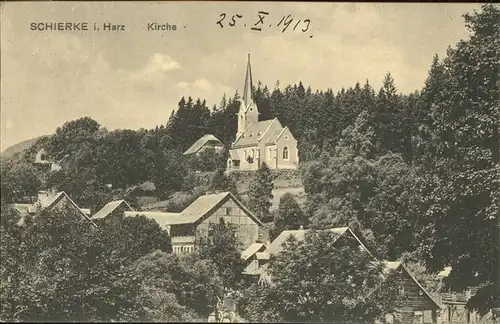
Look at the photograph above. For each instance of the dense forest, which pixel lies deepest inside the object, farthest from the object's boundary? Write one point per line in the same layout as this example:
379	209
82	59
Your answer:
417	175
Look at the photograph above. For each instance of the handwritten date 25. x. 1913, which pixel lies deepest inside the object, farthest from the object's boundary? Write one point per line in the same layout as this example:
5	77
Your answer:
263	20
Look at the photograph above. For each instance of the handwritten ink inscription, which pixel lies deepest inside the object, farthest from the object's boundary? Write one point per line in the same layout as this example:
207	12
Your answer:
262	20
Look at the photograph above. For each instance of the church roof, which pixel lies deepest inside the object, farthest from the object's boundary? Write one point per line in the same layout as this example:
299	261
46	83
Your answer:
200	143
254	133
247	90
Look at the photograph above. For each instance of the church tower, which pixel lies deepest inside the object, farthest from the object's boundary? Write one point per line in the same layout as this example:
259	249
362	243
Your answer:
248	113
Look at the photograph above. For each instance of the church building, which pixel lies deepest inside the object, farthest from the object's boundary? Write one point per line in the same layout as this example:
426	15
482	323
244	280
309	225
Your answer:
260	141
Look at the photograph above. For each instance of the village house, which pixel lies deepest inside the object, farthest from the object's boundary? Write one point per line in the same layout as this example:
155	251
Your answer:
113	208
250	256
455	304
260	141
418	305
50	200
42	160
185	227
207	141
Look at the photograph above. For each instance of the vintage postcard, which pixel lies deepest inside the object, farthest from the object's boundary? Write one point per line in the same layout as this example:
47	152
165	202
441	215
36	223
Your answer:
183	161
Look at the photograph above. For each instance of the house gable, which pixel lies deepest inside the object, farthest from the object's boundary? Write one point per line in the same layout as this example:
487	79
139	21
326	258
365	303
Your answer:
245	224
62	201
416	296
207	140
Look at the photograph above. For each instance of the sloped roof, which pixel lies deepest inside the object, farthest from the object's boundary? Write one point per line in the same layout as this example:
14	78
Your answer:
22	208
200	143
273	137
277	245
247	97
253	133
162	218
110	207
199	208
262	255
49	203
251	250
391	266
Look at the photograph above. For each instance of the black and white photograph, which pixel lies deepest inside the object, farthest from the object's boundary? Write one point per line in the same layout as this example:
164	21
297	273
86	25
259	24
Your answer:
241	162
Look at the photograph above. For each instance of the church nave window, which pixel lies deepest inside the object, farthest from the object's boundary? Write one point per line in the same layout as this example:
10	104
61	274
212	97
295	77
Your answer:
285	153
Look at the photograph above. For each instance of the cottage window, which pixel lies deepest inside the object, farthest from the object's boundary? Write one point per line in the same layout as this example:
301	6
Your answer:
253	153
228	211
285	153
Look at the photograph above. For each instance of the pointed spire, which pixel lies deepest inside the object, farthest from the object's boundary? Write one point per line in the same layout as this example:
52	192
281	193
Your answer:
247	91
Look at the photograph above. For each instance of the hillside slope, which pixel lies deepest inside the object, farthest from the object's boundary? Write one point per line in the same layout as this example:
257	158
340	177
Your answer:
19	147
285	182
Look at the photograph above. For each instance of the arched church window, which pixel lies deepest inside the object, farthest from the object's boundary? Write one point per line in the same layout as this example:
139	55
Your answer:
245	153
251	134
253	153
270	153
285	153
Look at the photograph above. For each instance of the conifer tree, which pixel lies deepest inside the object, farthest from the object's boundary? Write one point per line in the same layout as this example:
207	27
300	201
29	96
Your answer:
289	216
260	192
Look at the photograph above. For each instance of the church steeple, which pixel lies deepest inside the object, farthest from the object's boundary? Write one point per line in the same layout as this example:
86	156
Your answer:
247	90
248	113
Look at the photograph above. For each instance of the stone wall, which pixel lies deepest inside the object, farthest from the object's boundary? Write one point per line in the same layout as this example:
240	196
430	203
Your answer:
247	176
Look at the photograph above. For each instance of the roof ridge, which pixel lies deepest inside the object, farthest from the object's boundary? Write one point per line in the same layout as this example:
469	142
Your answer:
63	193
281	133
267	129
418	283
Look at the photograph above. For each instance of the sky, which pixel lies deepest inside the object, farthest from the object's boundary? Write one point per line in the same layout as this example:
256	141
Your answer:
134	78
